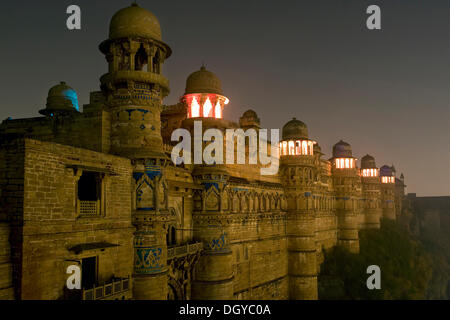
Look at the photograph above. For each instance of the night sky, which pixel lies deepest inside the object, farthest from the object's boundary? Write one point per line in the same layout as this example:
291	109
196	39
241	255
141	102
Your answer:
385	92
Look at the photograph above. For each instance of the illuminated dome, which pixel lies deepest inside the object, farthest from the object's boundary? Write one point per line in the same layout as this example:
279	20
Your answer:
134	21
342	150
61	99
294	130
368	162
203	81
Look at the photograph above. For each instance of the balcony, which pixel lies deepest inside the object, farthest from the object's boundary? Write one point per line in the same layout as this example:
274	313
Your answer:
184	250
114	290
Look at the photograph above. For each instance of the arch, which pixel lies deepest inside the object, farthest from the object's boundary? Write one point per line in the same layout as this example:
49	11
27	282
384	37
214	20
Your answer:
141	59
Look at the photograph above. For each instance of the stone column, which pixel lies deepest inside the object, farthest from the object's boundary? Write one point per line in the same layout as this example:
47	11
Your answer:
348	230
302	256
214	272
150	263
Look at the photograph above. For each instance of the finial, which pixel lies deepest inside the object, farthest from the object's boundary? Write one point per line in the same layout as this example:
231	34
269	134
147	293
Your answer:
134	4
203	67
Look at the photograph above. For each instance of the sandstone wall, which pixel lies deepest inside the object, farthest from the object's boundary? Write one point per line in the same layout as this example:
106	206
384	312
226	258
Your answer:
84	130
259	247
51	224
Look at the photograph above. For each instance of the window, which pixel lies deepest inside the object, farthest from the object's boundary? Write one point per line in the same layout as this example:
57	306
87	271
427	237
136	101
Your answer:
171	236
88	272
207	109
218	110
195	108
141	59
291	148
89	193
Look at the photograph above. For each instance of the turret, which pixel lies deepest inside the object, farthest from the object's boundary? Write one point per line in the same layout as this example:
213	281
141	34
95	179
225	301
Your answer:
347	185
388	191
61	100
134	88
371	190
203	96
300	173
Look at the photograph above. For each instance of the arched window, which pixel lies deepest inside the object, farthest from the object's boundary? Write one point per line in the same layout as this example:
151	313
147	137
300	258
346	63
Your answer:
218	110
207	109
291	148
285	148
298	147
195	108
140	59
304	147
310	148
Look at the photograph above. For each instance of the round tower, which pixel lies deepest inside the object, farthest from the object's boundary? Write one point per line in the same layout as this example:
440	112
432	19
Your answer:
387	175
250	120
134	88
299	174
347	185
204	102
134	85
203	97
370	178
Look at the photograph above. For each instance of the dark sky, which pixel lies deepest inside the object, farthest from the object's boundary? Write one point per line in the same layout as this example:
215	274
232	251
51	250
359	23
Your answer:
385	92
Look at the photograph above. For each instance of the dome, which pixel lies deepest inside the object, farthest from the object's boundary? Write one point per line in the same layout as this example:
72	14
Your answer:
134	21
368	162
249	119
203	81
61	98
295	129
342	150
250	114
385	171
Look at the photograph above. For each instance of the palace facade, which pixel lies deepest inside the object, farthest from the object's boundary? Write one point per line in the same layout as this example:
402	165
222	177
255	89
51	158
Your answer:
96	188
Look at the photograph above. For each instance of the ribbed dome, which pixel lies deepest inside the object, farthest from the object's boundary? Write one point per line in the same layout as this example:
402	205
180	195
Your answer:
295	129
134	21
342	150
385	171
61	98
203	81
368	162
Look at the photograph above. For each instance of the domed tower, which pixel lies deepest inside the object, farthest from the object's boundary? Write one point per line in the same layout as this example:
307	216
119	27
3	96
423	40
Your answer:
203	97
61	100
134	88
347	185
300	174
204	102
134	85
250	120
370	178
388	192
